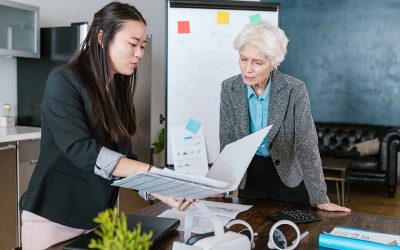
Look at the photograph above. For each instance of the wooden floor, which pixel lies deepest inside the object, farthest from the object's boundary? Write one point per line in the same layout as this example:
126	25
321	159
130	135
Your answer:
369	199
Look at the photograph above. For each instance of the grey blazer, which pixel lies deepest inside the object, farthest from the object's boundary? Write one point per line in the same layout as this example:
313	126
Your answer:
293	142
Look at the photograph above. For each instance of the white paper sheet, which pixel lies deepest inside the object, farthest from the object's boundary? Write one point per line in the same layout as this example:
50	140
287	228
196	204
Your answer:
189	151
230	210
223	211
172	184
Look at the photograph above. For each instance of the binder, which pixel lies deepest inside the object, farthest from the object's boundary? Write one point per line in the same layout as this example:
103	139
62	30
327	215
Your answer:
345	238
224	176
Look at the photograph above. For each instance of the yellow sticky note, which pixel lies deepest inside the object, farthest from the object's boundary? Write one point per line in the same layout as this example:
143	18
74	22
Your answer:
222	17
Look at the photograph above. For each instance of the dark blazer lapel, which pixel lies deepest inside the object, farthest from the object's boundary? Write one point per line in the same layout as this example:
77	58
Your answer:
240	102
278	101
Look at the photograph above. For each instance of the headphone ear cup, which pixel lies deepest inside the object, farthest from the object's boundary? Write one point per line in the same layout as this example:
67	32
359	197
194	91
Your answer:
279	239
270	246
247	233
249	229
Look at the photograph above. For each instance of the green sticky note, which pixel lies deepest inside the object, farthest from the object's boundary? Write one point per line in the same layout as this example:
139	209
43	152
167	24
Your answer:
255	18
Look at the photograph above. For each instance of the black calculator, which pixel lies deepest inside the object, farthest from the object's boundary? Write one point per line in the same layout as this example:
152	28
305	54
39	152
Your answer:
297	216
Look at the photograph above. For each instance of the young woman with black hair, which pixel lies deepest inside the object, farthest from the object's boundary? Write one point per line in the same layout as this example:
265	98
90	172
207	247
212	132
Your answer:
88	119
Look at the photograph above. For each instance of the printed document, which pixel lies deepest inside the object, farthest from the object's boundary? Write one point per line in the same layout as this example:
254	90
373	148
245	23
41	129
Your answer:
189	151
223	211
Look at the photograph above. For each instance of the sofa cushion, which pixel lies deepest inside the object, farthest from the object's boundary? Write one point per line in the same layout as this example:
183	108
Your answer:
369	147
368	177
366	163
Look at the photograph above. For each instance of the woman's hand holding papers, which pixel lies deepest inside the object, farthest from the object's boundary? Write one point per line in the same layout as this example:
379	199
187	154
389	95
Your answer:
178	203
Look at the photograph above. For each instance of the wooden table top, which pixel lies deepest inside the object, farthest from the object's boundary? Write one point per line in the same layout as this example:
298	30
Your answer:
261	223
257	217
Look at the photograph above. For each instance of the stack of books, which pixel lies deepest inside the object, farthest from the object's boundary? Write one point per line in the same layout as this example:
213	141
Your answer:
345	238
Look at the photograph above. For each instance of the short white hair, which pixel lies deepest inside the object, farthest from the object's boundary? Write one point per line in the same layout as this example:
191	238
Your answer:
269	38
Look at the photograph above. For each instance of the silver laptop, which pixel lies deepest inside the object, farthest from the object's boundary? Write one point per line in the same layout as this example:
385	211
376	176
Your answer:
224	175
234	159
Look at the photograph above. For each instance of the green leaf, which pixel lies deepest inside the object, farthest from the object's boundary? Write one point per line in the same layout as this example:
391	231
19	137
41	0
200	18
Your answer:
159	145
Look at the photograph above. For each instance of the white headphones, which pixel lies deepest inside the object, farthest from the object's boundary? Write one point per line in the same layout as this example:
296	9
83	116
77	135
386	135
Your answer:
220	237
249	229
277	239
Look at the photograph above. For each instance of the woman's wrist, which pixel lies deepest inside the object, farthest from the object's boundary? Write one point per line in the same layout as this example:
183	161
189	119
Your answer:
159	197
126	167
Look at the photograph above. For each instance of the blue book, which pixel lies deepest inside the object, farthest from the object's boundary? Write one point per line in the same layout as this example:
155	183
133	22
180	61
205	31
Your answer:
345	238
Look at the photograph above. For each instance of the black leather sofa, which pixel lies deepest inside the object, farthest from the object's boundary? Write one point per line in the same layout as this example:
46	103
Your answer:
335	138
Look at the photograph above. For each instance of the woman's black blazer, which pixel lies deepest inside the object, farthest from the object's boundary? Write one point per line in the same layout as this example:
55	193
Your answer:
64	188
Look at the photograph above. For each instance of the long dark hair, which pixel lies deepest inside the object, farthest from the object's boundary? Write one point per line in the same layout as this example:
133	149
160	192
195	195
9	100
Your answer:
111	96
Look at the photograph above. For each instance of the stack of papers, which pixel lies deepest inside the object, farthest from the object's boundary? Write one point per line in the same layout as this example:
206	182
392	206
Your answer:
223	211
169	183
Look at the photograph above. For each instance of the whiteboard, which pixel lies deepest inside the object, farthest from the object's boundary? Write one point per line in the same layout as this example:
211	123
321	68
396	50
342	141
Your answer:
198	62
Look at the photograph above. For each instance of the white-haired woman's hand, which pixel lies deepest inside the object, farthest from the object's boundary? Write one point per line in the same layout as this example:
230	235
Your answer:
333	207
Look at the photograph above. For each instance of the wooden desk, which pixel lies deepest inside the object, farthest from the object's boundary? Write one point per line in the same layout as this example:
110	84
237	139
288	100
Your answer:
261	223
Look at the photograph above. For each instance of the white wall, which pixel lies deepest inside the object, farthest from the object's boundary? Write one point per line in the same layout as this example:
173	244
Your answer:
8	84
154	13
55	13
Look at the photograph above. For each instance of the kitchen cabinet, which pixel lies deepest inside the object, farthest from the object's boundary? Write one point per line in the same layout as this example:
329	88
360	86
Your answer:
8	191
28	156
19	30
18	160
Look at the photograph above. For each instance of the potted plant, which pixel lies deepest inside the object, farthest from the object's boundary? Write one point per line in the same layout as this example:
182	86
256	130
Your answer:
158	147
114	233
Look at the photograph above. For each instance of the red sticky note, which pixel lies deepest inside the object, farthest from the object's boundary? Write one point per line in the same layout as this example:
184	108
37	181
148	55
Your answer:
183	27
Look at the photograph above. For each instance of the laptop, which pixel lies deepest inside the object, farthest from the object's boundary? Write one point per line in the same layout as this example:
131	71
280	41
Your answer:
161	227
224	176
234	159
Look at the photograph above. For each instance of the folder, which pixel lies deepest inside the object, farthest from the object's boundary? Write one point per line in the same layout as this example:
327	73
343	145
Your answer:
346	238
224	176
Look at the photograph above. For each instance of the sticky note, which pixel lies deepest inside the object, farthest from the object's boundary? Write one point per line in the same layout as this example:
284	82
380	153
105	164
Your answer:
183	27
254	19
193	126
222	17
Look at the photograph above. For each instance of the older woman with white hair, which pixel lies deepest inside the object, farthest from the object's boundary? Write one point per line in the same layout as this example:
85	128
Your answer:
287	165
